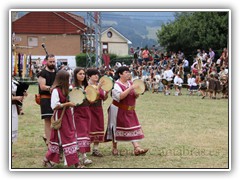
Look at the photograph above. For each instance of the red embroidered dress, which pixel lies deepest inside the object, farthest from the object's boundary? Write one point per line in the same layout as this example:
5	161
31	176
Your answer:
64	137
82	120
97	119
123	125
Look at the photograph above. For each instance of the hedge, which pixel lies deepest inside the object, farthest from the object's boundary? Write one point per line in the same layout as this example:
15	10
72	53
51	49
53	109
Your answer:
82	62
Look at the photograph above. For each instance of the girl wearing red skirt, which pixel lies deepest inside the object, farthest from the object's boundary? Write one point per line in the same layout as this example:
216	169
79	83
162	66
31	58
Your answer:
64	138
82	117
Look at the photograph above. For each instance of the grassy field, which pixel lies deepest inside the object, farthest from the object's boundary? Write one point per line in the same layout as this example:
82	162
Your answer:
180	131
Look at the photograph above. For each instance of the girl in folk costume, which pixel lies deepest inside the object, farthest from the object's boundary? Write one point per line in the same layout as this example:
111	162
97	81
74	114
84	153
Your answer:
218	86
123	124
178	84
211	86
96	109
193	84
82	117
189	78
168	75
224	83
64	137
203	86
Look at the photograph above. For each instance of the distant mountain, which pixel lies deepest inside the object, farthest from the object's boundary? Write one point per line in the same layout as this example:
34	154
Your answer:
139	27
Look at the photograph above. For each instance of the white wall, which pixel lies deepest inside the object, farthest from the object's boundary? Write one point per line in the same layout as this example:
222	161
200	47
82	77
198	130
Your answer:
70	60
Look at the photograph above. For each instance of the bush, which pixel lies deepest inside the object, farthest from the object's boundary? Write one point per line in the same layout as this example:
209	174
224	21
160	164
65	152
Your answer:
82	62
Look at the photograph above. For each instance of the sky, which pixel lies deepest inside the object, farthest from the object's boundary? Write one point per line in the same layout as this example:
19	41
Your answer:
123	4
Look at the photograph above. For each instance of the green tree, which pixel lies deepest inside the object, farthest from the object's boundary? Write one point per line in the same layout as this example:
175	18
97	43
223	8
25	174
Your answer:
193	30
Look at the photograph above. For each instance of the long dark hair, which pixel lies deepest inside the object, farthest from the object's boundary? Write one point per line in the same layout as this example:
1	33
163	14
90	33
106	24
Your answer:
76	83
62	81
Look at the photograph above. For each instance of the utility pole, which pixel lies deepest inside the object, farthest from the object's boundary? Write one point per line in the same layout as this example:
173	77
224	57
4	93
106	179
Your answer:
98	19
92	39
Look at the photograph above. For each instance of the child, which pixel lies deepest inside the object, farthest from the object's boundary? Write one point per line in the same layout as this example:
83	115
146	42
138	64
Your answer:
211	86
203	87
218	86
178	84
189	77
155	86
64	137
193	84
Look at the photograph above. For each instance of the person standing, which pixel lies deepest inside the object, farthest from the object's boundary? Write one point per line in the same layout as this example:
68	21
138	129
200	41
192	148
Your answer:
45	81
135	55
63	138
145	55
211	54
82	117
168	75
123	124
96	109
15	109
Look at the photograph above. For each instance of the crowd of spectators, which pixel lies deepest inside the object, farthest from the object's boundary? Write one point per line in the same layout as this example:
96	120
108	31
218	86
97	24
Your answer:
170	71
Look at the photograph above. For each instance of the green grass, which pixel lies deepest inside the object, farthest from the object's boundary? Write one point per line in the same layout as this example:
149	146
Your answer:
180	131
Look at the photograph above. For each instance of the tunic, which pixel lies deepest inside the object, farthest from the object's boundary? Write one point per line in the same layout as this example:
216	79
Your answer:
64	137
97	119
46	110
123	125
82	120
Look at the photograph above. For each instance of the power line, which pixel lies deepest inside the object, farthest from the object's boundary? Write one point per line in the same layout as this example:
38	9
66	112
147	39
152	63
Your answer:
153	18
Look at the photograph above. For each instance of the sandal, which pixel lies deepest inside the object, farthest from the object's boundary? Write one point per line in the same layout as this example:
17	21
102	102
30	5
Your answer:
47	163
115	152
87	161
97	153
139	151
79	166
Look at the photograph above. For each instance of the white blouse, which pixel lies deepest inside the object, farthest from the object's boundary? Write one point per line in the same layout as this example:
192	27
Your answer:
55	100
117	90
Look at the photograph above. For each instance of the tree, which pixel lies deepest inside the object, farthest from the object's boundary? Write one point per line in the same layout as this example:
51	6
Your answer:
194	30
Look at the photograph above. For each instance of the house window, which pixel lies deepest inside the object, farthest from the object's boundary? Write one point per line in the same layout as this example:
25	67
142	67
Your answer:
33	41
109	34
105	48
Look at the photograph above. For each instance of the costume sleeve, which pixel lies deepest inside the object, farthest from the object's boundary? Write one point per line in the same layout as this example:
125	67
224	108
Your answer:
116	92
55	100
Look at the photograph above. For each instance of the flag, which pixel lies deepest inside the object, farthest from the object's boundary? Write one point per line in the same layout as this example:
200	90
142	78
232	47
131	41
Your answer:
30	65
15	64
24	65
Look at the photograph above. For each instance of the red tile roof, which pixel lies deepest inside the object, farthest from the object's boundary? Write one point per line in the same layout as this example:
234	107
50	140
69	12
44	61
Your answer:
49	23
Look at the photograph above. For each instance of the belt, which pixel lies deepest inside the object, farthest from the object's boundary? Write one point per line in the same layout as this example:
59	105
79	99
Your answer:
45	96
97	103
123	106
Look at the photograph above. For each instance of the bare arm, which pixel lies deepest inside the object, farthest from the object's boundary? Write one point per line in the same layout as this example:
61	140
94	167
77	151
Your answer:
42	84
17	98
66	104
